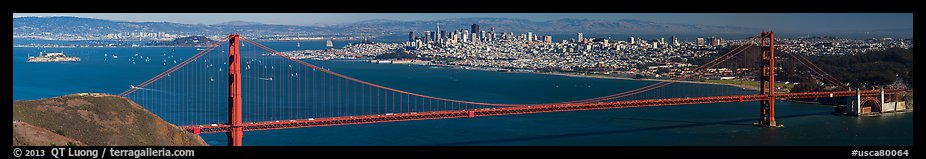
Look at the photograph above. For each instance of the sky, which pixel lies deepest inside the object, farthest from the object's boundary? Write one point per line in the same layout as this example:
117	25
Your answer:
768	21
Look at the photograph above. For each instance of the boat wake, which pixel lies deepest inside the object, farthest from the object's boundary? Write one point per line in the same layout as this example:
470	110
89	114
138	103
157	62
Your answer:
146	89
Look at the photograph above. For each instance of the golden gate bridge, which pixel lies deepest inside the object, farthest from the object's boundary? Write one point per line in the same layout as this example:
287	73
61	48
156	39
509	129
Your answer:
281	92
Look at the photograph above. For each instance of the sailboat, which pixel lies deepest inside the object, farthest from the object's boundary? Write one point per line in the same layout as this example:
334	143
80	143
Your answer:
297	44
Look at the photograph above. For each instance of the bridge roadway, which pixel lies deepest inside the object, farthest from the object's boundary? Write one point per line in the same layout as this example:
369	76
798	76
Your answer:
431	115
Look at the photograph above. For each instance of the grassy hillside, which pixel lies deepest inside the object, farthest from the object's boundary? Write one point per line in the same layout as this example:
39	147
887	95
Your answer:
25	134
101	120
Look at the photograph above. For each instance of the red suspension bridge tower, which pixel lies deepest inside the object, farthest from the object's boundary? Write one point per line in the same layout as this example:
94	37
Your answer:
234	91
767	80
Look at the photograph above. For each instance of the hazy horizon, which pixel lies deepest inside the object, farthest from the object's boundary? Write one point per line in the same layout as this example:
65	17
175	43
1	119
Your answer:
805	22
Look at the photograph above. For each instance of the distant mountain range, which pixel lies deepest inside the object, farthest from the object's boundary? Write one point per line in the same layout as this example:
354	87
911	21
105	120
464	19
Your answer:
90	26
192	41
553	26
85	26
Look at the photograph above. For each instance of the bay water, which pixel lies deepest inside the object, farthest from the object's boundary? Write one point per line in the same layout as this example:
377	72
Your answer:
727	124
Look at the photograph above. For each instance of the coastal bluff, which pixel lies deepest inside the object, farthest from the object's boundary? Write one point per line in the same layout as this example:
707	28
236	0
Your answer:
93	119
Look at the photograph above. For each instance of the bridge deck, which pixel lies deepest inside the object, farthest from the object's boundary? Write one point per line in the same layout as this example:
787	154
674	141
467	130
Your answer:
431	115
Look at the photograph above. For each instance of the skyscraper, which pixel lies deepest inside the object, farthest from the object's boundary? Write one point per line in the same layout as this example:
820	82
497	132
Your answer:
580	37
482	35
675	41
699	41
441	36
464	36
411	36
530	37
438	34
474	28
427	36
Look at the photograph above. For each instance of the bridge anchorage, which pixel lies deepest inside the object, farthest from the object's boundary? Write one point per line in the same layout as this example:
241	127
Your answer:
872	104
284	92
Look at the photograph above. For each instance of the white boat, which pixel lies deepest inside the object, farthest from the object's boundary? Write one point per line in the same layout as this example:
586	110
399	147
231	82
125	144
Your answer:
115	57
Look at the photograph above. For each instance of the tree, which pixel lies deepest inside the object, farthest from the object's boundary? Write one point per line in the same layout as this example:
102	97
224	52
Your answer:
870	68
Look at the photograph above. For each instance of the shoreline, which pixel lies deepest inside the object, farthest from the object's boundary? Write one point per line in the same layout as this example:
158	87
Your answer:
638	79
586	75
580	75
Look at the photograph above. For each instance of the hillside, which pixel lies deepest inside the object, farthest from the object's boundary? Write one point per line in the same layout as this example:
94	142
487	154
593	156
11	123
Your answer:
875	68
100	27
625	26
25	134
96	120
25	26
66	26
192	41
